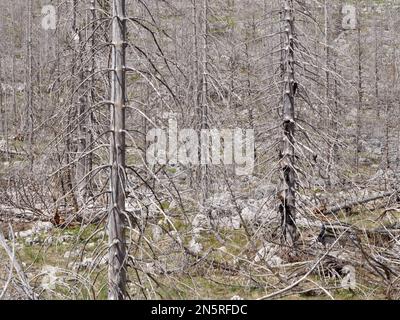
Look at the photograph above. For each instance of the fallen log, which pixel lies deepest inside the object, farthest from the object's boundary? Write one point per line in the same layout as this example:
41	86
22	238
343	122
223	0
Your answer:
349	205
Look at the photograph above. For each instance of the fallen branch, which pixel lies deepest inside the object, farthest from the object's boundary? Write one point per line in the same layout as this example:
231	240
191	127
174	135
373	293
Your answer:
349	205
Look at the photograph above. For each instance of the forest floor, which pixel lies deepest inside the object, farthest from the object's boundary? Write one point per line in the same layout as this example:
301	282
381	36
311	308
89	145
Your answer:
70	263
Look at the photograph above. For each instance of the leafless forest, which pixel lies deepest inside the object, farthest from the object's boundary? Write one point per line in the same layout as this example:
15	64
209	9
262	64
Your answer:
107	193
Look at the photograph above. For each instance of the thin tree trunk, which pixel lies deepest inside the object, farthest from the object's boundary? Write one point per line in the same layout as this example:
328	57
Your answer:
29	102
204	98
360	99
116	219
288	175
81	106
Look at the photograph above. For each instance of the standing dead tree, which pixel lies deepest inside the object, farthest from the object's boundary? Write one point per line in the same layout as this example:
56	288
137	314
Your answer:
116	219
287	195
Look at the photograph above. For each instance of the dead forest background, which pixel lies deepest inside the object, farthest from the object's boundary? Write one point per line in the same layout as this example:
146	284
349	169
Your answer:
82	214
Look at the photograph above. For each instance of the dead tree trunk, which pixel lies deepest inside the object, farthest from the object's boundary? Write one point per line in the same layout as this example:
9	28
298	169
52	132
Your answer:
287	194
116	219
360	98
350	204
204	180
29	94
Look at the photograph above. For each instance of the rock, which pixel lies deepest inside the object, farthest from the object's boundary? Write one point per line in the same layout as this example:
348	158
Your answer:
42	226
249	214
87	263
71	254
237	298
65	238
24	234
157	233
365	161
268	254
175	235
264	191
200	222
32	240
103	261
74	266
48	241
50	279
195	247
91	245
149	268
233	222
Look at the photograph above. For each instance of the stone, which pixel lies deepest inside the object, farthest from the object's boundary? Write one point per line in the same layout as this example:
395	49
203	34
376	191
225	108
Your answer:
48	241
264	191
268	254
91	245
233	222
71	254
24	234
157	233
42	226
195	247
32	240
66	238
50	278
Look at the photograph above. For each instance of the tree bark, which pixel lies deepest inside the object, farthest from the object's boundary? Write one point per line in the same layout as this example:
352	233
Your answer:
287	194
116	219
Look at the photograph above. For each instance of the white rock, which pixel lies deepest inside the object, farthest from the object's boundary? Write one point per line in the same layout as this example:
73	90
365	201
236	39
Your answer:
50	279
71	254
103	261
48	241
200	221
175	235
157	233
87	262
30	241
42	226
195	247
91	245
149	268
24	234
66	238
268	254
249	214
233	222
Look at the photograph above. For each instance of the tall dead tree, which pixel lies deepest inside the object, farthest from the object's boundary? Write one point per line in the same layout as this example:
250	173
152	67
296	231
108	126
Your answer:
287	194
116	218
204	180
360	96
29	94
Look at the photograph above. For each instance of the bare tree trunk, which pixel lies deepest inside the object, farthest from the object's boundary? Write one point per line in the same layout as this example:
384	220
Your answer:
3	115
204	98
81	107
288	175
91	94
378	104
29	102
116	219
360	99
